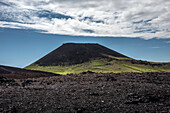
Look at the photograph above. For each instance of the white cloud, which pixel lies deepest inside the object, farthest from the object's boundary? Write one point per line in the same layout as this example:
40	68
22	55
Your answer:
128	18
156	47
168	42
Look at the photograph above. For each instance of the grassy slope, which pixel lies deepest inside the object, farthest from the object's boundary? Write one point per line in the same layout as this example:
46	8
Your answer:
116	65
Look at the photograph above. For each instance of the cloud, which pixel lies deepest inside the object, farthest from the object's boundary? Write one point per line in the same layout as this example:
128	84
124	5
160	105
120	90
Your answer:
156	47
4	4
168	42
50	15
132	18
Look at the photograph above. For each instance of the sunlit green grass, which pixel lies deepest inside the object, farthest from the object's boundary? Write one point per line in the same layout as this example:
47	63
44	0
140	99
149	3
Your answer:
117	58
117	65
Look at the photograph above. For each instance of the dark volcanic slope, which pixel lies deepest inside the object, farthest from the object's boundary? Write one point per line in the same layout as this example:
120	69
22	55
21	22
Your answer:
12	72
75	53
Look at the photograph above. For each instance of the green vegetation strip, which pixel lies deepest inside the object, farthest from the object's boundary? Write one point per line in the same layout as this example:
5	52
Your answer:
103	66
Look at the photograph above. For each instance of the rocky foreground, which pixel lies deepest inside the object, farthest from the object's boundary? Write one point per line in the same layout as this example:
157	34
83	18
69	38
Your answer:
87	93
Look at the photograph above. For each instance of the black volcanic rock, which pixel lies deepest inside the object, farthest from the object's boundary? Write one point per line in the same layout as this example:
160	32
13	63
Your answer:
76	53
87	93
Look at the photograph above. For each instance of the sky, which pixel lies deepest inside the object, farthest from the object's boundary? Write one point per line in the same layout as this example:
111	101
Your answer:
29	29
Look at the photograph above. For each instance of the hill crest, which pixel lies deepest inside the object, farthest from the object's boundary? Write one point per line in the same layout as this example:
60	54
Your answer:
83	57
76	53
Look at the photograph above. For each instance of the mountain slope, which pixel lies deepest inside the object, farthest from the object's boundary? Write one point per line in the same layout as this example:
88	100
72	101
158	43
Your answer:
75	53
13	72
77	58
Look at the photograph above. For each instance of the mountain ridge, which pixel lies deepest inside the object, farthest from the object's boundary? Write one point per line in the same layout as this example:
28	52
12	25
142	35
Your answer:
14	72
76	53
82	57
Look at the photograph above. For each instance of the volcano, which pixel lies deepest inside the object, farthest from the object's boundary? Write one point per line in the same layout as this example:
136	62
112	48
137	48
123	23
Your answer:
83	57
76	53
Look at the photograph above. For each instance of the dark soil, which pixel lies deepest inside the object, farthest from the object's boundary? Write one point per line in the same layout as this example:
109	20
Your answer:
87	93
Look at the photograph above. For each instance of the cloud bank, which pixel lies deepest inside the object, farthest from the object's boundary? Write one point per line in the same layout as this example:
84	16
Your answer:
115	18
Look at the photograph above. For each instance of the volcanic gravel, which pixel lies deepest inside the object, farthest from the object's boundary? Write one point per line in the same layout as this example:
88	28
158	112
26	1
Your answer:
87	93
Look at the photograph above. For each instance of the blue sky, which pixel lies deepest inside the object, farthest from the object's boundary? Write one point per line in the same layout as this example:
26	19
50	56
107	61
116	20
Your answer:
29	29
20	48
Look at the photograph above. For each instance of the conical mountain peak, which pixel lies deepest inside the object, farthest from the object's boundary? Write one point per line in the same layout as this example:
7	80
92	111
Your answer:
76	53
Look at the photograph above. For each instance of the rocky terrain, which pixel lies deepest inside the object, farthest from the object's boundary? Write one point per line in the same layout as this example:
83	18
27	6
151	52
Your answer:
87	92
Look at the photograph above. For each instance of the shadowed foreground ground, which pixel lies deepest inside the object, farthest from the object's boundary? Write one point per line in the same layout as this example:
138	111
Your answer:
87	93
